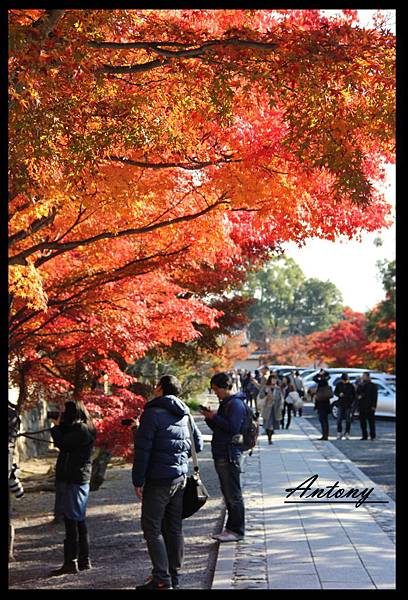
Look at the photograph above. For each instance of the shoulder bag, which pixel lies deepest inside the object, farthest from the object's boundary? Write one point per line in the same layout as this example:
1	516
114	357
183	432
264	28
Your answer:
195	493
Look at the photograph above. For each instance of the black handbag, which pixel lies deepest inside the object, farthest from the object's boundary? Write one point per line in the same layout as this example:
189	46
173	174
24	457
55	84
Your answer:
195	493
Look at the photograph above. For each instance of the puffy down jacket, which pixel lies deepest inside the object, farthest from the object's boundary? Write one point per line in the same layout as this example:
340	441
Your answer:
162	442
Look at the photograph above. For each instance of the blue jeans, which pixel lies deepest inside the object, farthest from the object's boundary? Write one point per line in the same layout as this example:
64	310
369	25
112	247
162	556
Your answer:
229	476
343	413
162	507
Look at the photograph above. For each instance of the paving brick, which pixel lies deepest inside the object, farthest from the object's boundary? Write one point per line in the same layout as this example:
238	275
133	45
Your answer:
301	546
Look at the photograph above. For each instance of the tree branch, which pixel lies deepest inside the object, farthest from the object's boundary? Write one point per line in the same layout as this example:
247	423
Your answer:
34	227
61	248
159	48
48	21
190	166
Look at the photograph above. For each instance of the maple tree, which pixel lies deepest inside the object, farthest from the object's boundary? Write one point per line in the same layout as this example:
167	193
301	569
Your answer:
135	193
348	343
288	350
343	343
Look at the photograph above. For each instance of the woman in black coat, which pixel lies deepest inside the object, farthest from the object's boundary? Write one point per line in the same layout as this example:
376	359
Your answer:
75	436
322	401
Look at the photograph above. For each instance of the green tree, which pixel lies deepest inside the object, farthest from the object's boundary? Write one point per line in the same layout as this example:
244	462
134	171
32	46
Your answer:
287	303
381	319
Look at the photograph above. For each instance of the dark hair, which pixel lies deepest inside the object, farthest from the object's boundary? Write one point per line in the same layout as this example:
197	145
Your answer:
75	412
170	385
270	379
344	376
291	387
221	380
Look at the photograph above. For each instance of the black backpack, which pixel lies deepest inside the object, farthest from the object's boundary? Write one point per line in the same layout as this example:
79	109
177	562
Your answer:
250	429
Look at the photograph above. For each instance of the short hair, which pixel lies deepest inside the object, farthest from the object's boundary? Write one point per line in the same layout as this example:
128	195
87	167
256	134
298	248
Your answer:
221	380
367	373
344	376
170	385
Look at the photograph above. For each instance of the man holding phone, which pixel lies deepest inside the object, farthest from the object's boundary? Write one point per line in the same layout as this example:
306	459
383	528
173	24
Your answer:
226	446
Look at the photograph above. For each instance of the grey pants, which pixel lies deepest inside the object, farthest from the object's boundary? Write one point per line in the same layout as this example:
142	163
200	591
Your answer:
162	528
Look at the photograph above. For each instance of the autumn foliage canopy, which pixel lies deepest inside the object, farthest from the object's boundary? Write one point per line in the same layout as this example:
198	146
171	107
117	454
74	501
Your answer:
157	155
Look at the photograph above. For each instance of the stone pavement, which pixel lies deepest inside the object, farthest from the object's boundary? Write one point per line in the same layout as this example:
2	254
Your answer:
308	546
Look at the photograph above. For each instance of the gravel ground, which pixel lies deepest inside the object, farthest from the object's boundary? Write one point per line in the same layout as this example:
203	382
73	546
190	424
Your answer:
118	550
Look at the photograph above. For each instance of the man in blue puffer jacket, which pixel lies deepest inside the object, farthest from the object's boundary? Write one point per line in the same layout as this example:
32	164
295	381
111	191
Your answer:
160	465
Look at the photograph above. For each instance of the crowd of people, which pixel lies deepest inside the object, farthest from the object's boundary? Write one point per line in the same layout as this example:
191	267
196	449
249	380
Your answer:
277	398
164	437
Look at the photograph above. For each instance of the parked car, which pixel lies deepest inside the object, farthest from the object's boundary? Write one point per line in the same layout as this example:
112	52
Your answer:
305	372
282	370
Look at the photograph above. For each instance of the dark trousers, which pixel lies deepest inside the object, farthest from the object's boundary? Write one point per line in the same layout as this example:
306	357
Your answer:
73	529
250	400
344	413
324	421
230	483
370	417
76	541
162	507
289	408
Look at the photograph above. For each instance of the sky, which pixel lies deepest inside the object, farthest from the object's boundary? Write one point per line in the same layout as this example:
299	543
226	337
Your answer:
351	265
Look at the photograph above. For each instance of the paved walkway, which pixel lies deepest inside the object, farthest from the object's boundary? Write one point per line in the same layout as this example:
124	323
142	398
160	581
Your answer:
308	546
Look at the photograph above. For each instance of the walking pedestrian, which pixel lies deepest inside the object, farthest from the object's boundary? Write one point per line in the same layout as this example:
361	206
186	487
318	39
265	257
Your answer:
226	425
300	388
284	385
272	409
250	388
367	394
346	393
74	434
261	396
162	447
292	398
322	401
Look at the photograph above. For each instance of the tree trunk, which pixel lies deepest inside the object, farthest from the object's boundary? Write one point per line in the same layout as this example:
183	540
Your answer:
99	466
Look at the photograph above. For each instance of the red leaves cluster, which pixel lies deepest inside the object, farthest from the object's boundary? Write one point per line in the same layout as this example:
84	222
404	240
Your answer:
347	343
